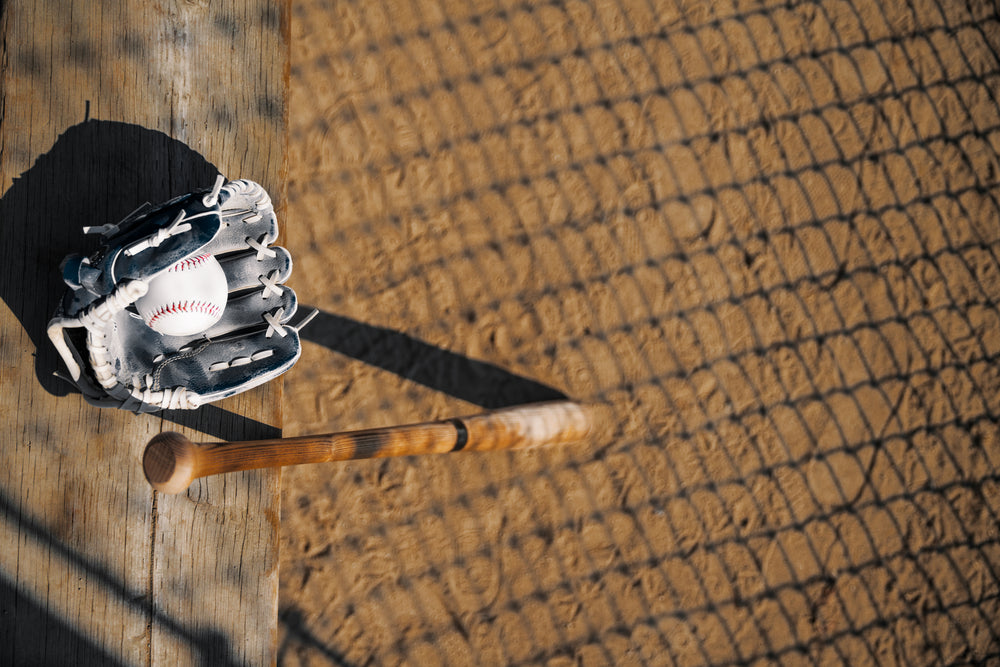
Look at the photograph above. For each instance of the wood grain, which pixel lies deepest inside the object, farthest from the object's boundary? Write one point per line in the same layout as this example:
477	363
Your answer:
102	107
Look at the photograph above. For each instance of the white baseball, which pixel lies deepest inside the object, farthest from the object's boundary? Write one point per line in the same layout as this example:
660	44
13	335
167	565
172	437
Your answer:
187	298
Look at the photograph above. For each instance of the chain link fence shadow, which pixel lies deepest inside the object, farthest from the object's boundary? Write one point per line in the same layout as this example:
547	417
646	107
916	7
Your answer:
767	236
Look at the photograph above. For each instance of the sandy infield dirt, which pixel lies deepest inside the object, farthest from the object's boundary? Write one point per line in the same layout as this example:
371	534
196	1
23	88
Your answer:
765	234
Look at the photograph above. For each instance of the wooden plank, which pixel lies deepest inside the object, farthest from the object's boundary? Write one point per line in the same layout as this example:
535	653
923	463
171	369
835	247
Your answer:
104	106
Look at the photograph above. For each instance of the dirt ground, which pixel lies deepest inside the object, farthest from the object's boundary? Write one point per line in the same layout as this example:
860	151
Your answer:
765	234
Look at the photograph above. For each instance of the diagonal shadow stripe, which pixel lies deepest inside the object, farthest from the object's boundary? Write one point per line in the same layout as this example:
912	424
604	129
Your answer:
477	382
211	647
41	638
300	635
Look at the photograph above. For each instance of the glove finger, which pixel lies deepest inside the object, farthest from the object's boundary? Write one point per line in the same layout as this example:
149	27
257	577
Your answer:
247	219
250	270
158	243
257	309
155	238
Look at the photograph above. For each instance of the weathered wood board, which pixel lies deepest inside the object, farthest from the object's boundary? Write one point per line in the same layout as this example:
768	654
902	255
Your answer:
104	106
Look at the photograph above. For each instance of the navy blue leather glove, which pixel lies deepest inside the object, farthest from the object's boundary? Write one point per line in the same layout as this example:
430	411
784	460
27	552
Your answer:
116	360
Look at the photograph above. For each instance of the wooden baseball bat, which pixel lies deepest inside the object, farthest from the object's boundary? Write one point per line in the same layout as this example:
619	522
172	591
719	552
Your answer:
171	461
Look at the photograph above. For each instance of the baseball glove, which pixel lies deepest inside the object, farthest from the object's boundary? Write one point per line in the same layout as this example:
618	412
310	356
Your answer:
116	360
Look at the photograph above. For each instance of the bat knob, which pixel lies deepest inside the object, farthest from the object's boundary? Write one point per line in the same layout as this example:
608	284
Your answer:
169	462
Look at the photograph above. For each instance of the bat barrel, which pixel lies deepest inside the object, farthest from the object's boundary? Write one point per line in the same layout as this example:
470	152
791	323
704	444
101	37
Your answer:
553	423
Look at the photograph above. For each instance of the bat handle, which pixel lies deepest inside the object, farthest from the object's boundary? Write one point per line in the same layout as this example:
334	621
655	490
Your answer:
171	461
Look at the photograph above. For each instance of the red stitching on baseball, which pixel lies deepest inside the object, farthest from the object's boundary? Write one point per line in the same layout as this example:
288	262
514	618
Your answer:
204	307
189	263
